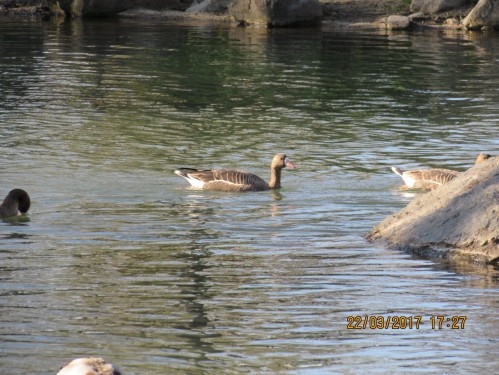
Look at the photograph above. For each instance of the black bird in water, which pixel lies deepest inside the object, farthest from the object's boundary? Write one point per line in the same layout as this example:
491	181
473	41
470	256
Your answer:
17	202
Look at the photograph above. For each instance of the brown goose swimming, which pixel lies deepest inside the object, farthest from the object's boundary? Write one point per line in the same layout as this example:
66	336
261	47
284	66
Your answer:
231	180
429	179
17	202
89	366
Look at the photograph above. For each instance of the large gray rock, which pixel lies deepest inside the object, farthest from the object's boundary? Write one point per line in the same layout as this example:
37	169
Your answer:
484	14
266	12
396	22
460	219
209	6
292	12
250	12
78	8
276	12
435	6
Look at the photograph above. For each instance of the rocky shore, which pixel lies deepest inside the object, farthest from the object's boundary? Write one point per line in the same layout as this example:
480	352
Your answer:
393	14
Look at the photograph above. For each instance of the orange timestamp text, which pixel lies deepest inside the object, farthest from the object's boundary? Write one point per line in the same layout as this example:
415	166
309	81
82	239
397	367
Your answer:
404	322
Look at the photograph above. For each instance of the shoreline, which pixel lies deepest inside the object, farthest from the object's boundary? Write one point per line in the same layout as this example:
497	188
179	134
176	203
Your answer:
342	14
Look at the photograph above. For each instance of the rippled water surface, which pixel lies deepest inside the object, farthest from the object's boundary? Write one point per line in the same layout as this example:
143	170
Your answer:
119	258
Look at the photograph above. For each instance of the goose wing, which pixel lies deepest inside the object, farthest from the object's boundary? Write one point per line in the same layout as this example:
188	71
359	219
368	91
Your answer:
223	180
432	177
426	178
231	180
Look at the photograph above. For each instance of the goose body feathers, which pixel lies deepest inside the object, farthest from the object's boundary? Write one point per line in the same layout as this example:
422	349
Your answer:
89	366
429	179
234	181
15	203
425	178
223	180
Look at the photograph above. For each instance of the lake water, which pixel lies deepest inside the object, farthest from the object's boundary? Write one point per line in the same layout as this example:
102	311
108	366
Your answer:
119	258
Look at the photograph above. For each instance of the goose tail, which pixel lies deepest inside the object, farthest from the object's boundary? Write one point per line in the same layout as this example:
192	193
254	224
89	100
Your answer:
397	171
183	172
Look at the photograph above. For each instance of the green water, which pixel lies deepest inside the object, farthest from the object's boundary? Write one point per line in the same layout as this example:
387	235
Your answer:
121	259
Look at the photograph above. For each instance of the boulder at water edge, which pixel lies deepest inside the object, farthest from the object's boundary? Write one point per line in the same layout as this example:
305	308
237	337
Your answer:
78	8
458	220
276	12
209	6
435	6
484	14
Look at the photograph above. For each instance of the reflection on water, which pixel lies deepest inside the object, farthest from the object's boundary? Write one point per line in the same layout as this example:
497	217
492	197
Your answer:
119	258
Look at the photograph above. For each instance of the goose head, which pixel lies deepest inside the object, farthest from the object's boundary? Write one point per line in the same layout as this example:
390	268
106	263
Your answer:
89	366
15	203
482	157
281	161
23	199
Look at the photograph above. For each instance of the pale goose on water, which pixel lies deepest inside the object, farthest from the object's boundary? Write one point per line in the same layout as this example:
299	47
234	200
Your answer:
89	366
231	180
429	179
15	203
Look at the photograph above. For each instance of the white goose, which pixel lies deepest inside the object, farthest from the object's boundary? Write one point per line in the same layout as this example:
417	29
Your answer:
89	366
15	203
232	180
429	179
